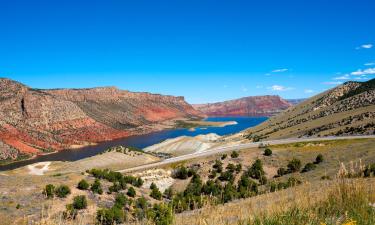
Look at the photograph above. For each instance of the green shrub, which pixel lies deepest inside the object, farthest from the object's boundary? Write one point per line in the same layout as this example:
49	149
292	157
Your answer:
194	187
294	165
319	159
62	191
168	193
256	170
161	214
49	191
226	176
70	212
218	166
234	154
131	192
110	216
138	182
181	173
121	200
155	193
268	152
231	167
246	187
116	187
281	172
80	202
213	174
83	185
96	187
238	168
223	157
211	188
308	167
263	180
229	193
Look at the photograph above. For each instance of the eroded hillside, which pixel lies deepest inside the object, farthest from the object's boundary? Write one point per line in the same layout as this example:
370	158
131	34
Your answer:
33	121
348	109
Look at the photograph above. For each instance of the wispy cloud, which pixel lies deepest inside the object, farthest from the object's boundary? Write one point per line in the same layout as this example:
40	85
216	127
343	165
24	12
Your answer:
309	91
280	70
244	89
363	72
344	77
279	88
365	46
370	64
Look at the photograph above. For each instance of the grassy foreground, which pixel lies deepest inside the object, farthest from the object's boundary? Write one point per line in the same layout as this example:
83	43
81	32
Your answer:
342	202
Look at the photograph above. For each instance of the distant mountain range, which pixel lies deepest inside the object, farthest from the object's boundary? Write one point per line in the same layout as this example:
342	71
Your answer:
248	106
33	121
348	109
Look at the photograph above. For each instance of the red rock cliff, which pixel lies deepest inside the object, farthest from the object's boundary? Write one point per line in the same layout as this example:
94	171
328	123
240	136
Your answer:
34	119
248	106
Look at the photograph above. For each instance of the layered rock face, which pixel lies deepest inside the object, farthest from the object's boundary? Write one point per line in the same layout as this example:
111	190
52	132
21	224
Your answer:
248	106
34	120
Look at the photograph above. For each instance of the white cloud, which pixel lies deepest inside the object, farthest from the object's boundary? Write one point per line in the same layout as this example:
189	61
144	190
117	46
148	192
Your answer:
363	72
344	77
365	46
370	64
279	70
244	89
279	88
309	91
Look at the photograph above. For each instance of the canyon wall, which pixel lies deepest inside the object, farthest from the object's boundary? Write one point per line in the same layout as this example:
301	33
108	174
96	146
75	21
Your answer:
249	106
34	121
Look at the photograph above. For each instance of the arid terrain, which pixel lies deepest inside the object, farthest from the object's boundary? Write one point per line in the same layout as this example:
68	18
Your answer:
345	110
35	121
251	177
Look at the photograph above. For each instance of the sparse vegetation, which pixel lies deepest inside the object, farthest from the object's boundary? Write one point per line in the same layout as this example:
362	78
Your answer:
267	152
62	191
308	167
319	159
49	191
155	192
234	155
83	185
294	165
96	187
131	192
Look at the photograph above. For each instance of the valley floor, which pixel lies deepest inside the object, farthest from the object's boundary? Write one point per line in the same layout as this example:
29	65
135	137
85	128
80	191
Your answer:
22	201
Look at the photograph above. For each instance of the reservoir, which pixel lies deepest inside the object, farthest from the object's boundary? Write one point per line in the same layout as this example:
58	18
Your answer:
142	141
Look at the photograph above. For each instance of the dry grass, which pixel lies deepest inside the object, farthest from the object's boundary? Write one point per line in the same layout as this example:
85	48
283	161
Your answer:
331	202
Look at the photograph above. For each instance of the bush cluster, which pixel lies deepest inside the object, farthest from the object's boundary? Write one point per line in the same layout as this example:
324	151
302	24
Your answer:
61	191
155	192
79	203
183	173
292	181
112	176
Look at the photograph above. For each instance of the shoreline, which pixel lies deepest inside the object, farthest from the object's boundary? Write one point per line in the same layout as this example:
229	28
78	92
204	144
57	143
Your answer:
165	125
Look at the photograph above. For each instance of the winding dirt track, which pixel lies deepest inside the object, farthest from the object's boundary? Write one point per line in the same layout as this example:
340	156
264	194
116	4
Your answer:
237	148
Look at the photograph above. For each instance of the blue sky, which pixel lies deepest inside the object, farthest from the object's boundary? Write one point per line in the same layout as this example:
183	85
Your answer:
204	50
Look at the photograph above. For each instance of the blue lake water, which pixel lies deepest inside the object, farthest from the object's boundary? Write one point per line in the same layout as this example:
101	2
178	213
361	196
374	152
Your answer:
143	141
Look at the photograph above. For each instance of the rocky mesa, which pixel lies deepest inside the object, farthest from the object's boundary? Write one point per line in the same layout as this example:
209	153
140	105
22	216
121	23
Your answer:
33	121
248	106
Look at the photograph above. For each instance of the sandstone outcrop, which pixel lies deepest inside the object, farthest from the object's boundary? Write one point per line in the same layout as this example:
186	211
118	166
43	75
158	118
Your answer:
34	121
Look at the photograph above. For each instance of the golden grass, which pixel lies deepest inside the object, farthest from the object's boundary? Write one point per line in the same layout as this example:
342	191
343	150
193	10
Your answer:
298	205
